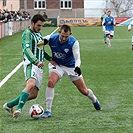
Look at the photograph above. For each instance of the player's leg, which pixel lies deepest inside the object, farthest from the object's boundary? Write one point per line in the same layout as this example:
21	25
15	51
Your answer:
104	37
132	42
55	74
34	82
80	84
29	92
111	36
78	81
108	37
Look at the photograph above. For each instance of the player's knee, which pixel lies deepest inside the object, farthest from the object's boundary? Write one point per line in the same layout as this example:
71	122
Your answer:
32	96
85	92
51	83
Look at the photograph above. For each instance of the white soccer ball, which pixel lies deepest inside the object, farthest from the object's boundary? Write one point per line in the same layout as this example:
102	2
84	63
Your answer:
36	111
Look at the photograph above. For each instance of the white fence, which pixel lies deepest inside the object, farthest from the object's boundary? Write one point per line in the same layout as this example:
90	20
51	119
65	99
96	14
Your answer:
9	28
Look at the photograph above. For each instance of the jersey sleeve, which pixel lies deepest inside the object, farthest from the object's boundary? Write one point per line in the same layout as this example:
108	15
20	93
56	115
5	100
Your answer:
47	37
76	53
103	22
26	43
130	26
114	21
131	23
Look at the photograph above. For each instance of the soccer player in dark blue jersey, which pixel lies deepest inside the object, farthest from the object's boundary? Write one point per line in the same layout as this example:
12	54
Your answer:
109	23
65	52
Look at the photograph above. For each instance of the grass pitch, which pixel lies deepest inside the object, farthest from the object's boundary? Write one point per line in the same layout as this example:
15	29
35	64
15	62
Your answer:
107	71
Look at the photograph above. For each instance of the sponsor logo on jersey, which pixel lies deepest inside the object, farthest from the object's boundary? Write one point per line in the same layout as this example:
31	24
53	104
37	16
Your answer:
59	55
66	50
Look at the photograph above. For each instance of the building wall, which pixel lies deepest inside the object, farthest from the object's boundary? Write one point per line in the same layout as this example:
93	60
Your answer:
11	5
53	9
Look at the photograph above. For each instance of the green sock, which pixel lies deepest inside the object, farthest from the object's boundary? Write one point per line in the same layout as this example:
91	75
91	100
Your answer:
22	100
104	37
13	103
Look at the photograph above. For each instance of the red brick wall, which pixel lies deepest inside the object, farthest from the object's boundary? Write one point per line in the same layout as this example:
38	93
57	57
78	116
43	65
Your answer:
30	4
77	3
21	4
52	4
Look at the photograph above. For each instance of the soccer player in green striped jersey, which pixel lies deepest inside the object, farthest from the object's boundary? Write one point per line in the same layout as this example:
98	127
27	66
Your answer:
33	65
104	15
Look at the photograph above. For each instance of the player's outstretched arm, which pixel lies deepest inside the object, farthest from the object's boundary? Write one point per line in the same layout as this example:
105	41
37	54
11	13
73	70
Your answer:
76	54
129	27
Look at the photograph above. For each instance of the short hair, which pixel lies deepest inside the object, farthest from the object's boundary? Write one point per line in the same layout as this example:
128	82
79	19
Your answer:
66	28
108	11
37	17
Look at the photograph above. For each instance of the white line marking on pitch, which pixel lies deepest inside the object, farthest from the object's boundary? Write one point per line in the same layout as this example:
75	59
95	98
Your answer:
17	67
11	73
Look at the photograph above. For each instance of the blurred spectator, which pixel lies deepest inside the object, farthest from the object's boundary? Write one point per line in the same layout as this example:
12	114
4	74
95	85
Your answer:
45	15
2	16
6	16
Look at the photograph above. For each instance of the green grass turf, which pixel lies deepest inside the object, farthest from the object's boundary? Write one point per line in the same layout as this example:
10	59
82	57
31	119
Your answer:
107	71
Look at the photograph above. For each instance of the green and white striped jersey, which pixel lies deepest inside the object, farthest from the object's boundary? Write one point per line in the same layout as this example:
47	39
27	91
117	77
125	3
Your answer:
103	17
31	52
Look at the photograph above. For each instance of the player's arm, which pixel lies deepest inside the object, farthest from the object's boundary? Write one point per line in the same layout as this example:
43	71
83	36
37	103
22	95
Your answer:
30	56
46	39
26	42
46	56
114	23
76	54
103	23
130	26
101	19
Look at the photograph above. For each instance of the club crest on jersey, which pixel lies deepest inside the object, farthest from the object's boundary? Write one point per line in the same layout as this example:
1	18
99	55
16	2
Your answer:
66	50
40	44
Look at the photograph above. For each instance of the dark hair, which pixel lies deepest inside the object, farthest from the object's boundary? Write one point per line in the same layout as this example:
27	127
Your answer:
66	28
37	17
108	11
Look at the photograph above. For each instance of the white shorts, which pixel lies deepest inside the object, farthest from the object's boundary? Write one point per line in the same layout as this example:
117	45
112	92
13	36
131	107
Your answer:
103	28
132	40
61	70
109	32
32	71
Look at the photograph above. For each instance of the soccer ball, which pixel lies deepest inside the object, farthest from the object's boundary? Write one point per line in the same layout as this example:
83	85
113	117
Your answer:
36	111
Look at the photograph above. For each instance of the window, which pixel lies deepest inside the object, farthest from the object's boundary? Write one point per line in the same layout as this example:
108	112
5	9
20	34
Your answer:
4	2
39	4
66	4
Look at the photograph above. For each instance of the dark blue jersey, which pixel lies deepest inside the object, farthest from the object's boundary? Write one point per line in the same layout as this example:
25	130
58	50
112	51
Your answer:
109	23
62	52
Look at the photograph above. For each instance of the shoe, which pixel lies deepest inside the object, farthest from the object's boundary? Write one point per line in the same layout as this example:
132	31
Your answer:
46	114
97	105
10	110
109	45
16	114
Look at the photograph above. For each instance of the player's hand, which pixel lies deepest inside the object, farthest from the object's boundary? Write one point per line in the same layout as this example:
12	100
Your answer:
77	70
40	64
112	23
45	41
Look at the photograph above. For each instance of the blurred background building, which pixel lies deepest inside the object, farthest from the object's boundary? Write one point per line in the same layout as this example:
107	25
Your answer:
70	8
